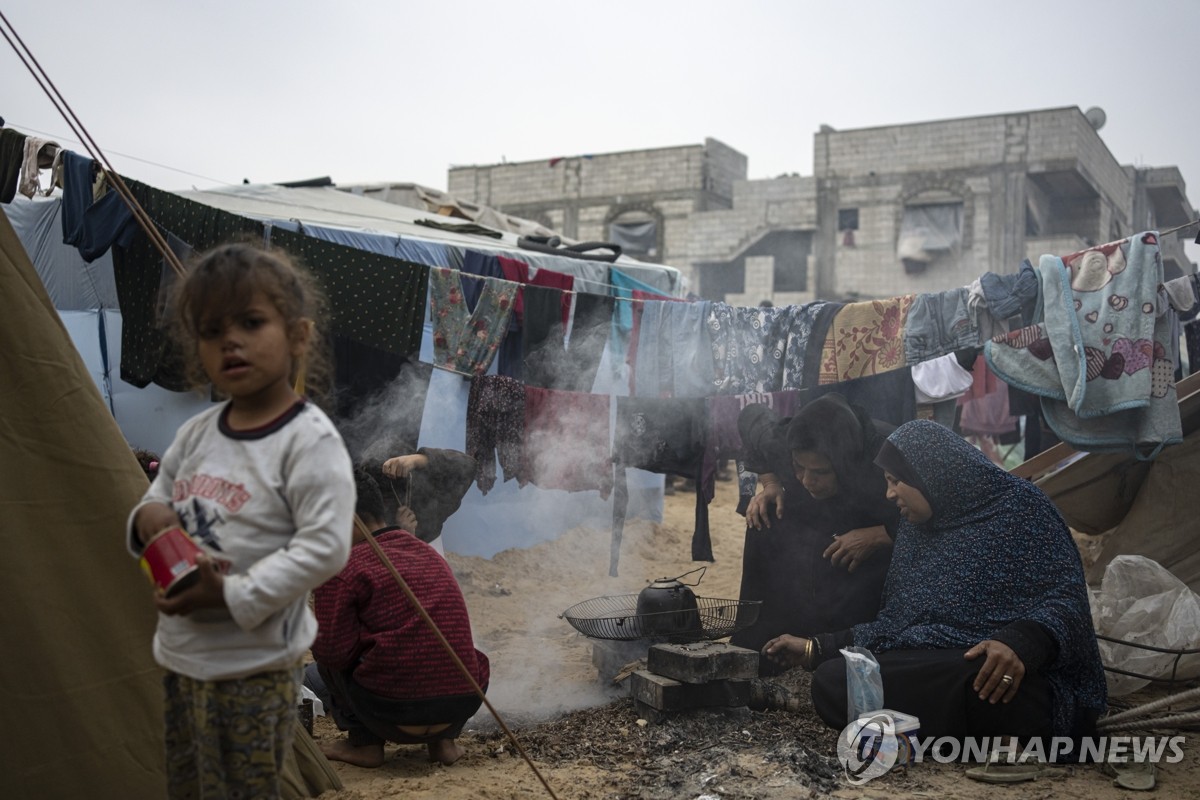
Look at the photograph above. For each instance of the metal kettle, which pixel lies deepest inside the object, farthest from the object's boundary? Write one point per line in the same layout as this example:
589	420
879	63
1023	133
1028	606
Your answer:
668	606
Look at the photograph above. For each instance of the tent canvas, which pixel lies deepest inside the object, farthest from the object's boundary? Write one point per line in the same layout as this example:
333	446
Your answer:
1143	507
150	416
83	695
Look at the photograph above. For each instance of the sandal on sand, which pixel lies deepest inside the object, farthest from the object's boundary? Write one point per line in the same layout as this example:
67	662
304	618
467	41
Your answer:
1138	776
996	771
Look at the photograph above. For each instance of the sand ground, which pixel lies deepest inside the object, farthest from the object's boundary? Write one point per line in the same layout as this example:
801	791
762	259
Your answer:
584	736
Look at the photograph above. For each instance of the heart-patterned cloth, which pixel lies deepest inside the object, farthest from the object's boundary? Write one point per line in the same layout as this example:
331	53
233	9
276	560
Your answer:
1101	356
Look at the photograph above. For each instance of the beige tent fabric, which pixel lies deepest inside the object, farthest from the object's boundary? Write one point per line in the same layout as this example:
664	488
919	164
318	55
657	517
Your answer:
1142	507
1163	521
1096	492
82	696
307	772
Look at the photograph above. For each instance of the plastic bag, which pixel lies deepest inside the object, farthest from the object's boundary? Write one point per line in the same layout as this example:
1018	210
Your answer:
308	694
864	684
1140	601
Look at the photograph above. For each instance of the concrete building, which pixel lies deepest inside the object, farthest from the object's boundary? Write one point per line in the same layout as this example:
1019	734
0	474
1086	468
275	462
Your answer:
888	210
642	199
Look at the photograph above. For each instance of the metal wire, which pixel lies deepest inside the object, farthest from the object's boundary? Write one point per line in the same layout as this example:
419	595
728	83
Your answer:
616	618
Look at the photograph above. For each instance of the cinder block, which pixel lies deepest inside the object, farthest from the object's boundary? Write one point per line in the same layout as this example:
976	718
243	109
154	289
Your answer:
610	657
701	662
665	694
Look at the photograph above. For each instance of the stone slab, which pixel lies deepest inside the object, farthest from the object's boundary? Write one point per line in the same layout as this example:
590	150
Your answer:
665	694
701	662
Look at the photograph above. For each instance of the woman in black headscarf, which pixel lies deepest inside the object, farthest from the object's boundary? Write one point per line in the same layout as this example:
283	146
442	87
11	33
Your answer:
818	537
985	628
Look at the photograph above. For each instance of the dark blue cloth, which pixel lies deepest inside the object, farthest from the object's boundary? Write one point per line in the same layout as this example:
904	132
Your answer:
995	552
1008	295
92	227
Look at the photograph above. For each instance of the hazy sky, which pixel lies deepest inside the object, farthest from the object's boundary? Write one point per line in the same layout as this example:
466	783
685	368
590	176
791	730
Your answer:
390	90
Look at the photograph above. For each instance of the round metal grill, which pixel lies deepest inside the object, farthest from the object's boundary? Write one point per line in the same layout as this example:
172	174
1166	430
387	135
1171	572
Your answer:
615	617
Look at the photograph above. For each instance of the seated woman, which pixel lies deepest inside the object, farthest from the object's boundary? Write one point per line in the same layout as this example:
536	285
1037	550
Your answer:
817	541
985	628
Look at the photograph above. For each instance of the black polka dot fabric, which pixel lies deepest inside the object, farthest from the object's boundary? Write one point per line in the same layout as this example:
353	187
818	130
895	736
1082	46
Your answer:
373	299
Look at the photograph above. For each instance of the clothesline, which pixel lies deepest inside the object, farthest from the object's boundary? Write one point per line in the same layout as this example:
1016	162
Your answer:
1176	229
565	291
116	182
1161	234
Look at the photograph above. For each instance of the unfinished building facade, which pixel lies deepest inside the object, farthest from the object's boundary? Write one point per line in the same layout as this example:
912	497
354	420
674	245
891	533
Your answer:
888	210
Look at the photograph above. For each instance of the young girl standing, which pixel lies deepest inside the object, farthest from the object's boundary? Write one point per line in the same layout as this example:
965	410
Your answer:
264	484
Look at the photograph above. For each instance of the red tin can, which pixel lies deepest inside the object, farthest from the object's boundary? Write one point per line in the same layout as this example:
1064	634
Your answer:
169	560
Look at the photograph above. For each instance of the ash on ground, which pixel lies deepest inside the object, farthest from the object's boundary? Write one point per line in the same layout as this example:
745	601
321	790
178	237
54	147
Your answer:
718	753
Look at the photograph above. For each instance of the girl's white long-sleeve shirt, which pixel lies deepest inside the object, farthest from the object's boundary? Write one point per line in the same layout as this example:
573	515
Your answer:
275	503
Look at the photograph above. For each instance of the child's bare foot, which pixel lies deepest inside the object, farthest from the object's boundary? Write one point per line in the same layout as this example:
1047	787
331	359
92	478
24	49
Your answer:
444	751
368	755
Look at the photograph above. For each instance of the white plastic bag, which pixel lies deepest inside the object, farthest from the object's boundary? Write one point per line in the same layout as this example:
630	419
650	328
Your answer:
1140	601
309	694
864	684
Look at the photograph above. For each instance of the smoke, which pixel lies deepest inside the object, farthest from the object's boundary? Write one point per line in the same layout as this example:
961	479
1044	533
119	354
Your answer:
388	422
525	554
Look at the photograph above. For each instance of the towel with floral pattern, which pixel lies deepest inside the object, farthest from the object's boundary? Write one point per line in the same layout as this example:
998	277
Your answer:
865	338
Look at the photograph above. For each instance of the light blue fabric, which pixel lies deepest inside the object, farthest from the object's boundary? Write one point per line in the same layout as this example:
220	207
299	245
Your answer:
623	287
938	324
1103	333
692	365
672	360
1100	358
416	251
651	376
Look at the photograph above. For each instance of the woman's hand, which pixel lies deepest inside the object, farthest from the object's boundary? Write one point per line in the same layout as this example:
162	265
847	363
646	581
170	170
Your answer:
856	547
403	466
764	505
208	592
153	518
786	650
1000	661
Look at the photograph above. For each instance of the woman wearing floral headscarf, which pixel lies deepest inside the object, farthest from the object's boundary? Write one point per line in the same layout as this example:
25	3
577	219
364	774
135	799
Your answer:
985	628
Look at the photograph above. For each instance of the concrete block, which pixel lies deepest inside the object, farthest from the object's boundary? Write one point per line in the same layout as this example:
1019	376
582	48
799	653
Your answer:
665	694
609	658
701	662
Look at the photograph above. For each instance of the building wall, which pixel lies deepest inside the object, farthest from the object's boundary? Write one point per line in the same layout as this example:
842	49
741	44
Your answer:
991	165
1028	183
581	195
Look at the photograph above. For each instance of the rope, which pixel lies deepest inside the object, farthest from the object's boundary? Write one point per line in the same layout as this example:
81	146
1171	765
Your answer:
60	104
412	598
1178	228
1171	721
1146	708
